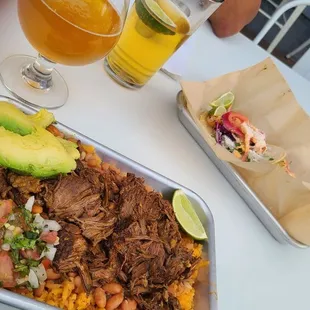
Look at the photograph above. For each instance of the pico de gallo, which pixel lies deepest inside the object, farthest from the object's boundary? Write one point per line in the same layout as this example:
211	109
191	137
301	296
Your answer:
27	245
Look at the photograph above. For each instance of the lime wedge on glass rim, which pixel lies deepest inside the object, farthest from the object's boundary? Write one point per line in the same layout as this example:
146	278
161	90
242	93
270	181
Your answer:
226	101
162	16
154	17
176	15
187	217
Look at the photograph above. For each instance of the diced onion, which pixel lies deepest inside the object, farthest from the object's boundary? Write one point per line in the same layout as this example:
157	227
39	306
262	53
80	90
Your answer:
46	225
20	281
40	273
33	279
29	203
52	225
50	252
5	247
11	217
45	229
39	221
8	234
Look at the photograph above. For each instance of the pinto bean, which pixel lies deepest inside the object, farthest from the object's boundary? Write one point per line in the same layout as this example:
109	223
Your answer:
78	284
39	291
128	304
100	297
82	155
93	163
105	166
55	131
52	275
114	301
113	288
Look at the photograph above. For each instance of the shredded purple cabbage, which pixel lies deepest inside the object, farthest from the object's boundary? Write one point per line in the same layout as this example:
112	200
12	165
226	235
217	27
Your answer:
218	133
221	131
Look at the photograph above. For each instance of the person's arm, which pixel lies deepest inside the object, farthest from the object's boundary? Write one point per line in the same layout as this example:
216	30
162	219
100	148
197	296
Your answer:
232	16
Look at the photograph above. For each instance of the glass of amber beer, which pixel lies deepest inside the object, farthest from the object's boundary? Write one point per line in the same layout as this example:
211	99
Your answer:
68	32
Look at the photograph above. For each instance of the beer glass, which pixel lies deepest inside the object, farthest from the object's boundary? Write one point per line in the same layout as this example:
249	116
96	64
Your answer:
69	32
154	30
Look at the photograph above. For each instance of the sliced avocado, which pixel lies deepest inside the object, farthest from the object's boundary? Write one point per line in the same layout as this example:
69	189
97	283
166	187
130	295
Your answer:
43	118
39	154
12	119
70	147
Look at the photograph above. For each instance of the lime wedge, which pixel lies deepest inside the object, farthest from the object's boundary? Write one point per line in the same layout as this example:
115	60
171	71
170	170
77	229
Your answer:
176	15
220	111
225	100
187	217
154	17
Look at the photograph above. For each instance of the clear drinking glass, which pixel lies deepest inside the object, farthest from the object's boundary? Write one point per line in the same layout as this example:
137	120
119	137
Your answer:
154	30
69	32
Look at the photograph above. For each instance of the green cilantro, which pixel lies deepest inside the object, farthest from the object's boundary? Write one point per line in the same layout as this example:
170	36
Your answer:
41	246
32	262
1	284
20	242
31	235
28	286
22	269
15	256
27	216
271	158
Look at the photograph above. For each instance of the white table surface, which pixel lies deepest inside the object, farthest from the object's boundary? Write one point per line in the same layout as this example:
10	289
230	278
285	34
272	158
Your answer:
254	272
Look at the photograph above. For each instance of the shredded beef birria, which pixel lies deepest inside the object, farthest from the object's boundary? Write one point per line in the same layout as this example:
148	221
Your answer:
113	230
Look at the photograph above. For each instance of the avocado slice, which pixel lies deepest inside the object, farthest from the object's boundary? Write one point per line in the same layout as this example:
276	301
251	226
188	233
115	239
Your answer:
43	118
12	119
39	154
70	147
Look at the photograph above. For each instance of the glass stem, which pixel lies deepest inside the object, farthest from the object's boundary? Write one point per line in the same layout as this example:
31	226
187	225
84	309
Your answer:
39	73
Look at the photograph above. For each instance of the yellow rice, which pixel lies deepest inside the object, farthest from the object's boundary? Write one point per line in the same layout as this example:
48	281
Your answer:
63	296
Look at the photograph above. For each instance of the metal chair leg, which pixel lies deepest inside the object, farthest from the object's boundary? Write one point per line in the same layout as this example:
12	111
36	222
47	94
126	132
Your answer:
298	49
296	13
278	13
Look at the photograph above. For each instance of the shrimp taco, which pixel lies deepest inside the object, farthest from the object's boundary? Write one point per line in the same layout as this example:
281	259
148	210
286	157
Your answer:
238	135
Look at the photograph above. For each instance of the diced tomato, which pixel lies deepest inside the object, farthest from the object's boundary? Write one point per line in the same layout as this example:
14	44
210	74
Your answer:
32	254
6	270
21	290
232	122
237	119
49	237
6	207
46	263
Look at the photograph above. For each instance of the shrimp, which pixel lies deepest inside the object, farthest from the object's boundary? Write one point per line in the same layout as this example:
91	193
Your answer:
248	135
252	134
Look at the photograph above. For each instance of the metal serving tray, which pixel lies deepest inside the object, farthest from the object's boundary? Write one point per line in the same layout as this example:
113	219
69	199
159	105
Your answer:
206	297
233	177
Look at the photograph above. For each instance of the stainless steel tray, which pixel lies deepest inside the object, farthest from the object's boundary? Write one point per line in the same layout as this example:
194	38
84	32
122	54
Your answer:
206	286
233	177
